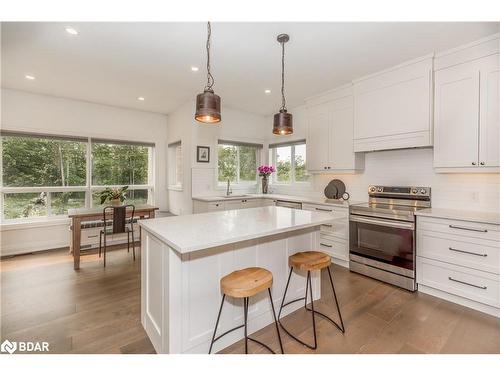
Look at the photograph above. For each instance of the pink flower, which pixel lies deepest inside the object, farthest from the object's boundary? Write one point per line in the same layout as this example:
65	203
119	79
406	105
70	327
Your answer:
266	170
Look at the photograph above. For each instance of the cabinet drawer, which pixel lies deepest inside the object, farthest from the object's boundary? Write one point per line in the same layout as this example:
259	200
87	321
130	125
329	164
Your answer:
464	282
334	247
460	228
324	208
337	228
216	206
478	254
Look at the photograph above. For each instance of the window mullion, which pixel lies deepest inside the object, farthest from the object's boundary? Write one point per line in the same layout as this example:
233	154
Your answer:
237	165
88	193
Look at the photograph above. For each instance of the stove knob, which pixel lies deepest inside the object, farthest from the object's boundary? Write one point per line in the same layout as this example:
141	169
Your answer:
379	189
423	191
414	191
372	189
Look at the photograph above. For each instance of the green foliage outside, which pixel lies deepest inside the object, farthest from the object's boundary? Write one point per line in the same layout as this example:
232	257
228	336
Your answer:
234	159
44	162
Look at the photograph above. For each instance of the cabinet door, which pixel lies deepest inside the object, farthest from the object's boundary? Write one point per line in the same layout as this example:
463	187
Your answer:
489	124
318	119
234	205
341	133
456	126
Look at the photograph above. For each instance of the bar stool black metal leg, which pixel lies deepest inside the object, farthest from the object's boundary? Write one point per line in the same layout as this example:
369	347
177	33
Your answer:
275	321
284	295
245	312
342	328
309	281
216	324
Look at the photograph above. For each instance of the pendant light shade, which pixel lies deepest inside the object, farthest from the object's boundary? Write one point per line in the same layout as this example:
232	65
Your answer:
283	121
208	107
208	103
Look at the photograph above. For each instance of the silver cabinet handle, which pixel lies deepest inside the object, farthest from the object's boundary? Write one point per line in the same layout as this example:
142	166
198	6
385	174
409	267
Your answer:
482	163
322	209
466	228
327	225
325	245
467	252
473	163
469	284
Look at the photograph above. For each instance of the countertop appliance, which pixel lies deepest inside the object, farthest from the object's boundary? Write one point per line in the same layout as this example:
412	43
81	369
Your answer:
382	233
282	203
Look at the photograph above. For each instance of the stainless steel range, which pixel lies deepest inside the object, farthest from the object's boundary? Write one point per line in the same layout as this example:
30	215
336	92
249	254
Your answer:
382	233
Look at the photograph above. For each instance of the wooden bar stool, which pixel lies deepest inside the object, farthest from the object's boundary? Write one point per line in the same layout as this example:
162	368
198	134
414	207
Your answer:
244	284
310	261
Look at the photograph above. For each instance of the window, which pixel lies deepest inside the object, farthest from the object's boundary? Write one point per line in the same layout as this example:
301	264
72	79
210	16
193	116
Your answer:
238	162
290	161
46	175
175	164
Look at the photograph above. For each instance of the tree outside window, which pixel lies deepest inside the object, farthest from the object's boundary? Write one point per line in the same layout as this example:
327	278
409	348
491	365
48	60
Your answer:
290	162
238	162
47	175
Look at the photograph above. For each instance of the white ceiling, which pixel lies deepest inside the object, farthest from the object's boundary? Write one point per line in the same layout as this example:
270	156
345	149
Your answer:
114	63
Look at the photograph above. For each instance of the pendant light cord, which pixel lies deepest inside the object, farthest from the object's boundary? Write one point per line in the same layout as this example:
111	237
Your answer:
283	100
210	78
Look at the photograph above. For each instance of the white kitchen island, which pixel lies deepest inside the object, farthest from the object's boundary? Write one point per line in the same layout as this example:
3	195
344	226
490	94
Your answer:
183	259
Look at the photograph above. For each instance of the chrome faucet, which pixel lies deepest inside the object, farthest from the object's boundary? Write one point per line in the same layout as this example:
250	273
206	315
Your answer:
228	190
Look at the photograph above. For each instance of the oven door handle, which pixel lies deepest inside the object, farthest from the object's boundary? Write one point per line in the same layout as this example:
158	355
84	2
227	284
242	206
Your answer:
382	222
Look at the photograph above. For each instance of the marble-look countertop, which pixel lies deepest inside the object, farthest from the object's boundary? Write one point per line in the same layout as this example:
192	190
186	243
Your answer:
454	214
289	198
188	233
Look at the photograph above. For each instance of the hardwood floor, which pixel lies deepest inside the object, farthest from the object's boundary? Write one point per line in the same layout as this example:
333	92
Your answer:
97	310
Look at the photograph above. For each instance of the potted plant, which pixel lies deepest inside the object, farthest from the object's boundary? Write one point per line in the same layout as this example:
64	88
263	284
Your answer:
113	195
264	172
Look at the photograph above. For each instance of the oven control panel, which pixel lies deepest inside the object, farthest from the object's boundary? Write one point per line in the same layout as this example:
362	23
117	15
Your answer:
403	191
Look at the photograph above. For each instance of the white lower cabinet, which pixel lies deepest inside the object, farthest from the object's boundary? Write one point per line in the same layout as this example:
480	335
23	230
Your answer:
230	204
460	261
334	237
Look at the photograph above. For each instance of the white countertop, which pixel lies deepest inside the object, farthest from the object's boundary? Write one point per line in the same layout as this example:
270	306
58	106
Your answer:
290	198
454	214
190	233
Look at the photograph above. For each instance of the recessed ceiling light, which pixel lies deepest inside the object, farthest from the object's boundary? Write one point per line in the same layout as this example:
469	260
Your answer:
195	68
71	31
141	98
29	76
267	91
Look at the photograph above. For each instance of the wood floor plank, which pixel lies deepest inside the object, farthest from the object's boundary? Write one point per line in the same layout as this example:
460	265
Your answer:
97	310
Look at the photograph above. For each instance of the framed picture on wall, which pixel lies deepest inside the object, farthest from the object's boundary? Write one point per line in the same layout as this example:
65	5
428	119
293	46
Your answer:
203	154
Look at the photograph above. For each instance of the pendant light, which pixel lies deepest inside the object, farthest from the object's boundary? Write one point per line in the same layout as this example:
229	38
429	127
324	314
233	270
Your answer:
208	103
283	124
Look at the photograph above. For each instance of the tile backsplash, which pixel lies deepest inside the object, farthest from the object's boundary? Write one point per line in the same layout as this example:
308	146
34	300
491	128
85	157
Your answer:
479	192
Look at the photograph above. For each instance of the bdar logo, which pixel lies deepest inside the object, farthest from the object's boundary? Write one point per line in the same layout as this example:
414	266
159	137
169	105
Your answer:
8	347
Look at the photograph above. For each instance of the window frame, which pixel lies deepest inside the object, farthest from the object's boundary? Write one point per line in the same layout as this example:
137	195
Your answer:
88	188
273	161
258	158
174	167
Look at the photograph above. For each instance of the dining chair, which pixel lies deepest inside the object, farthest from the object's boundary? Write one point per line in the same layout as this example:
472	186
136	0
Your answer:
118	224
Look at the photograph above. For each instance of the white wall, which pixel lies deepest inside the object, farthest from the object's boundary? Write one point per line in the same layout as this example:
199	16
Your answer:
405	167
200	178
23	111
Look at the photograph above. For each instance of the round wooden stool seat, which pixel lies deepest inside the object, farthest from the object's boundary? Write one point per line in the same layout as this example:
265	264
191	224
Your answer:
309	260
246	282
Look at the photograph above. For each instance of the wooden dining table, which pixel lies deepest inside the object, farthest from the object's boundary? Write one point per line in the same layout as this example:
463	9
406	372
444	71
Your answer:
81	215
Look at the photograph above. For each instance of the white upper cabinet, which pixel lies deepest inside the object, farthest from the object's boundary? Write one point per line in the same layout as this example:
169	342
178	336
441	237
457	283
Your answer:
466	114
489	114
456	116
330	133
392	109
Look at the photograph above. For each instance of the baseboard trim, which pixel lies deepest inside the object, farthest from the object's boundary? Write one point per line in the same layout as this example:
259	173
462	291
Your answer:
490	310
